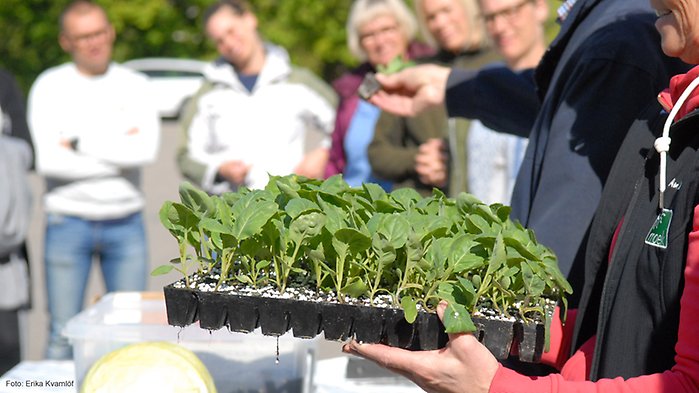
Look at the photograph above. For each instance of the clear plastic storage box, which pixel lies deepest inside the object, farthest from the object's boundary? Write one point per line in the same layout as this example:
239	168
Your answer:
238	362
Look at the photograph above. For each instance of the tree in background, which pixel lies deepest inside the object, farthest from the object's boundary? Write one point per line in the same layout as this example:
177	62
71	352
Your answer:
313	31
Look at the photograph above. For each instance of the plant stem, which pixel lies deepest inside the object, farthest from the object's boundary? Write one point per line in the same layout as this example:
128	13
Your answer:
183	261
339	273
289	266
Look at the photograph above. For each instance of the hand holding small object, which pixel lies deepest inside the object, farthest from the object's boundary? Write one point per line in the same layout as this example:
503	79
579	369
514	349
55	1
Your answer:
412	90
464	365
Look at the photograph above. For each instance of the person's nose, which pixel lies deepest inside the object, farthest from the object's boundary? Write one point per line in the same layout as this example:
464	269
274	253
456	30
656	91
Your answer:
440	21
381	40
498	24
228	43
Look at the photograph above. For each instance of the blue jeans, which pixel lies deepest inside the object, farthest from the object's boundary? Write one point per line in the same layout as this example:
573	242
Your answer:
71	243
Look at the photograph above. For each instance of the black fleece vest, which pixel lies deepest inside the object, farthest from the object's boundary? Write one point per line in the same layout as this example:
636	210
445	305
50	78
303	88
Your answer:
631	301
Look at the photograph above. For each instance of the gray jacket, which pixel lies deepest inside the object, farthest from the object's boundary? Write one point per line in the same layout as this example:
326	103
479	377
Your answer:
15	198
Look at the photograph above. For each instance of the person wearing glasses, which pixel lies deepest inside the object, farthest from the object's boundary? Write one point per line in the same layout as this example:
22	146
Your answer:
378	31
94	128
410	151
516	29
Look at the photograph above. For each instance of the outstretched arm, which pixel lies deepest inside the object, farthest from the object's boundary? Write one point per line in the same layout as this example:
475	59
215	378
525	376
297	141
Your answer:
412	90
502	99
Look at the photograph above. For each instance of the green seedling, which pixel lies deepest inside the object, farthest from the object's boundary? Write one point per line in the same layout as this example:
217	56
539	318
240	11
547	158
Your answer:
362	242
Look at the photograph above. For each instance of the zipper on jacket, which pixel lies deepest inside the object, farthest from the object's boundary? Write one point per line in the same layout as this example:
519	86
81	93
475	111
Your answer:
604	301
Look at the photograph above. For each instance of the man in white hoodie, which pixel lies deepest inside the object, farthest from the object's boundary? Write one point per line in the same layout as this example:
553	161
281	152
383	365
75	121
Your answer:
93	128
256	115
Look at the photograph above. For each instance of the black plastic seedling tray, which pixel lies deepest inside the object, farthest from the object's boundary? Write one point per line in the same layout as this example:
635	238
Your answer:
274	317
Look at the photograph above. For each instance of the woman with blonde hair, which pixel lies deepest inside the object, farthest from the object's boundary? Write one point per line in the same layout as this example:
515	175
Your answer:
476	37
414	152
378	31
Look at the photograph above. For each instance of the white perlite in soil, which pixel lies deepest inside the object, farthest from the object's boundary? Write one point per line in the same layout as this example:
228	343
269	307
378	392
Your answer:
295	291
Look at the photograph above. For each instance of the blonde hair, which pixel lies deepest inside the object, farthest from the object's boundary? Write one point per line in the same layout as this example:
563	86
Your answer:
363	11
477	38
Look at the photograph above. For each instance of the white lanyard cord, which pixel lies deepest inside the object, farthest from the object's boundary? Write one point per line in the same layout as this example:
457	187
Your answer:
662	144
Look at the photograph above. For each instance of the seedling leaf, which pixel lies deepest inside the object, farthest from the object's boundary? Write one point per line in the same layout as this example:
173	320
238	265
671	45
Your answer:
196	199
409	306
355	287
162	269
251	220
458	320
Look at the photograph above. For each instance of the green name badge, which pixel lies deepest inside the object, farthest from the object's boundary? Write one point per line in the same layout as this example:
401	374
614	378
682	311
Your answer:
657	236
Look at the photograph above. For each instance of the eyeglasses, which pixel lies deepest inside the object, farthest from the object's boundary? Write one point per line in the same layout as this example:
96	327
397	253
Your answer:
372	35
508	13
83	39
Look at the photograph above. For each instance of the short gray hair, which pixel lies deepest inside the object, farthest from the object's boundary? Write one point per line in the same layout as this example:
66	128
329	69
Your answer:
79	7
478	36
363	11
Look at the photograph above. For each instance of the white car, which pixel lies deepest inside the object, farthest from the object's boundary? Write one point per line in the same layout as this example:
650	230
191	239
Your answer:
174	81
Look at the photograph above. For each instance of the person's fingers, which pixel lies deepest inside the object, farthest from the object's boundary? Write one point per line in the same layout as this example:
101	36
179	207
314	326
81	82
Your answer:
428	96
431	173
432	180
413	78
404	82
392	103
441	310
435	142
430	164
386	81
431	146
423	160
393	358
347	349
377	352
424	84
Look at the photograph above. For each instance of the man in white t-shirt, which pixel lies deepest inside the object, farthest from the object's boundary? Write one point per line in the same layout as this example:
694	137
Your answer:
93	128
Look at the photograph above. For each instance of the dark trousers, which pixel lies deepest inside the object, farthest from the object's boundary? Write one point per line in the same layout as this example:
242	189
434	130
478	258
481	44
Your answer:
9	340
